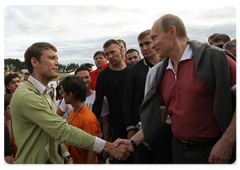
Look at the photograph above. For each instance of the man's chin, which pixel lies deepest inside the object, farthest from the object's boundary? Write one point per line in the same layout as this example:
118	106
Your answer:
55	76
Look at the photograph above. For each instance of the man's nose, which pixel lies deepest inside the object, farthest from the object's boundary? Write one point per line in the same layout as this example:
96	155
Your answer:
152	45
57	62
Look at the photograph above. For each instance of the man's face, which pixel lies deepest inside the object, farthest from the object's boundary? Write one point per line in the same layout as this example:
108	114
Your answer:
145	46
48	64
124	49
14	84
84	74
161	41
132	57
218	43
233	51
114	54
26	77
100	61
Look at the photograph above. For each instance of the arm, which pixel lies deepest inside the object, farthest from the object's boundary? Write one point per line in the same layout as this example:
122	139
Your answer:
7	146
222	150
91	157
105	125
105	120
139	136
100	93
60	112
8	121
128	103
40	114
63	107
120	150
106	128
106	133
8	159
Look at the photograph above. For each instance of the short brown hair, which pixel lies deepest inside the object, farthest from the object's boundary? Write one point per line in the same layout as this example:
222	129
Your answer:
75	85
110	42
169	20
211	37
122	41
36	50
99	53
143	34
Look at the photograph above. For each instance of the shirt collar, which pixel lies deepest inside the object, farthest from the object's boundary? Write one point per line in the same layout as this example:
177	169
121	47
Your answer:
187	55
38	85
147	63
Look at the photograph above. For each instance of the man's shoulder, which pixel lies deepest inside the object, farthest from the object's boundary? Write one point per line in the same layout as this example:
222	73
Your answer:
94	72
136	67
26	92
105	70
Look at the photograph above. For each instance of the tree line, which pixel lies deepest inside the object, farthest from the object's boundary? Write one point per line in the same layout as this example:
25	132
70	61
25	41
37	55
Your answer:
15	65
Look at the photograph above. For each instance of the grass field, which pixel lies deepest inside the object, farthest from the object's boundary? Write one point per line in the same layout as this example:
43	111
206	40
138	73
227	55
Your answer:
60	75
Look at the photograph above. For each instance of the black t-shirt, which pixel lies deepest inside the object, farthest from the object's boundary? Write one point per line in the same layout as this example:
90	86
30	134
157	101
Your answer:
110	83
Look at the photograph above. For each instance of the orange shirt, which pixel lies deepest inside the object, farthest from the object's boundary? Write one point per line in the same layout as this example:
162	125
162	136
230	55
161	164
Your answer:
87	121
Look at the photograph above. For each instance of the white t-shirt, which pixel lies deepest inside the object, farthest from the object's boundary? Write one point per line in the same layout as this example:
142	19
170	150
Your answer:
66	108
88	102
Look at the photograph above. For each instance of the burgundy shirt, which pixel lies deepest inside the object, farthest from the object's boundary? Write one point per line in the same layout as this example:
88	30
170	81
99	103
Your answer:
189	101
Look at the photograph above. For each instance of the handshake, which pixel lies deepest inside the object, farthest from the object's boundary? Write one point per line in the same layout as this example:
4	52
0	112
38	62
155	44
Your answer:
119	149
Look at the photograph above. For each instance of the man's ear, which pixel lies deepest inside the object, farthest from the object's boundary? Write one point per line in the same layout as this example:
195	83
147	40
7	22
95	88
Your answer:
173	31
7	86
71	94
34	62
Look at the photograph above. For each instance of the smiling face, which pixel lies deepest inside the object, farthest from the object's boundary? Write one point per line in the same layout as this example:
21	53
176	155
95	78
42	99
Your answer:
162	42
84	74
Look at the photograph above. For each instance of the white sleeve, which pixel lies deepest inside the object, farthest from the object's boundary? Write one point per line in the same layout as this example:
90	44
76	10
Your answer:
105	109
99	144
65	107
150	77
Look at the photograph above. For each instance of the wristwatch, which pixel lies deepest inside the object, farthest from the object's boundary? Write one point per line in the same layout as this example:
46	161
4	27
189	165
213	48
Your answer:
133	143
66	158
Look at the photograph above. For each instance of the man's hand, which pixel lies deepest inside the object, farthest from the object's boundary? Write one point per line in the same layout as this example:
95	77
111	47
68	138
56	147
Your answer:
222	150
221	153
124	142
148	146
120	149
70	161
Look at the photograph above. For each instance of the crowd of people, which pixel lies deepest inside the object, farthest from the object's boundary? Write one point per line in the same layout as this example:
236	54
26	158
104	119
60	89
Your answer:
175	105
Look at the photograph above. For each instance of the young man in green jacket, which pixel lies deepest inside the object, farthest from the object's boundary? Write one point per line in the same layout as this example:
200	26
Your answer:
38	131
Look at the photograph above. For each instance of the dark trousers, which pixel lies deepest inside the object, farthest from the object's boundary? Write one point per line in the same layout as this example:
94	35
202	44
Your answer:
120	132
198	154
142	155
162	149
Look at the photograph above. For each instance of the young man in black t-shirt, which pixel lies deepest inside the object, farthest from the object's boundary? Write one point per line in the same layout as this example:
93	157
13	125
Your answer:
110	83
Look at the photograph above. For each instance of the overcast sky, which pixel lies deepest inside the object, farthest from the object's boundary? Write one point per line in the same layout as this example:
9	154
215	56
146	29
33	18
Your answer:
78	31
